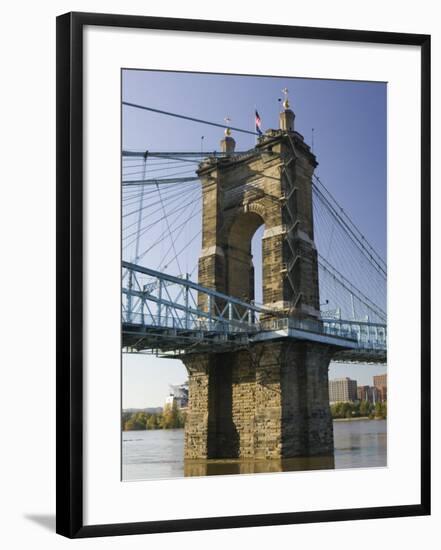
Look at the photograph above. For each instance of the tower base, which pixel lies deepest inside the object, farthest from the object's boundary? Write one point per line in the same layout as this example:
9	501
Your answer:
269	402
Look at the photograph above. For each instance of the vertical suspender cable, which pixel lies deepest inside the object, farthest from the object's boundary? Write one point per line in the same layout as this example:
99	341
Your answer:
138	230
141	205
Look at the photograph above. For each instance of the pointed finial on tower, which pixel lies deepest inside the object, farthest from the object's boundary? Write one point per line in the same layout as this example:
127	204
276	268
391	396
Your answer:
286	117
227	122
228	144
286	100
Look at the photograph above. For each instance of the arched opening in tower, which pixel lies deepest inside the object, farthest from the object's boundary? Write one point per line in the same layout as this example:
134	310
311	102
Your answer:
244	271
257	256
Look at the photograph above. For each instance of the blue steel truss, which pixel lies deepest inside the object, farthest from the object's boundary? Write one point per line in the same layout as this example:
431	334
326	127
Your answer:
170	316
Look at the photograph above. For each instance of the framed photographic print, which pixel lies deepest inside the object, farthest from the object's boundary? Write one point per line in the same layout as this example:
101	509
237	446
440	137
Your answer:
243	289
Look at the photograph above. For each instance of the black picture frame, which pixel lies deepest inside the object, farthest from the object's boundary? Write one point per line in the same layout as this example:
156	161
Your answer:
69	332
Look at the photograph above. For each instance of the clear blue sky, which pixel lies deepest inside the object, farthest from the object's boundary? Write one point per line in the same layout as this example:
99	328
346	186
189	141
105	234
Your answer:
349	121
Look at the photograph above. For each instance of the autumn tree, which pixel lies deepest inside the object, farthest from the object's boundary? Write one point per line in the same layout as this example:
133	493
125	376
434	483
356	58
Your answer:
172	417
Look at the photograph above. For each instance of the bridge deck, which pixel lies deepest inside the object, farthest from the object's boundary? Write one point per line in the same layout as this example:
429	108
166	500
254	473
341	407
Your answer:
175	342
162	315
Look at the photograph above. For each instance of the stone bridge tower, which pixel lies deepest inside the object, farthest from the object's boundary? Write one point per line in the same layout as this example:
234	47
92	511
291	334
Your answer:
270	401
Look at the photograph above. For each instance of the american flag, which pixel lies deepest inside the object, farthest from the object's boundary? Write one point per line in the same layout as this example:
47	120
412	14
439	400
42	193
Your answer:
258	123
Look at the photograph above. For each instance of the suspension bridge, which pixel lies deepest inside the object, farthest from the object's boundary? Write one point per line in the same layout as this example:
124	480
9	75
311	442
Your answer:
243	265
162	227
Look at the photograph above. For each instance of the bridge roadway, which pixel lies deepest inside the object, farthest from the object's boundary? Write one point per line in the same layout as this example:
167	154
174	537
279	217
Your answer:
156	320
172	342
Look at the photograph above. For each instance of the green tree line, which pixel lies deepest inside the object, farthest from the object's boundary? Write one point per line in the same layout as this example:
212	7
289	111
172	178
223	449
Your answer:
359	408
171	418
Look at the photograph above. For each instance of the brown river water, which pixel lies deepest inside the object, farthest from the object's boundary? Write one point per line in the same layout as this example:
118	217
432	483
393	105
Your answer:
158	454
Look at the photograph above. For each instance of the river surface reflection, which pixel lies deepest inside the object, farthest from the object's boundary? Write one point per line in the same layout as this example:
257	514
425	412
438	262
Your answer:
158	454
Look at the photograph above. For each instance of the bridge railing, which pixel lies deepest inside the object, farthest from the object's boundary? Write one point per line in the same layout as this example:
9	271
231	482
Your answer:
164	302
367	335
174	322
318	326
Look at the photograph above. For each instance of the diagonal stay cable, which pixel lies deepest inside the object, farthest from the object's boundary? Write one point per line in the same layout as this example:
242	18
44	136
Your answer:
346	222
343	281
129	199
179	172
168	227
351	231
345	253
156	221
192	199
191	216
192	119
156	181
158	169
138	226
184	223
176	193
182	249
150	214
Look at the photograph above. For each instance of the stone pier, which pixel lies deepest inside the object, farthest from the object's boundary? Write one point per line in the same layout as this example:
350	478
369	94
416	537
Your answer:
269	401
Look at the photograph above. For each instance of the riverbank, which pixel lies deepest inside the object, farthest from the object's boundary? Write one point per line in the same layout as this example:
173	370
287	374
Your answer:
354	419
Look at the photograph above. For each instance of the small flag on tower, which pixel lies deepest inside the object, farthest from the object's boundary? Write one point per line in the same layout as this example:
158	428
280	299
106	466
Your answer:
258	123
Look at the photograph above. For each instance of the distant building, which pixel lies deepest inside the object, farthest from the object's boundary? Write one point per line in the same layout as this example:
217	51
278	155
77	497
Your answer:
178	395
380	383
368	393
342	390
380	380
364	393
